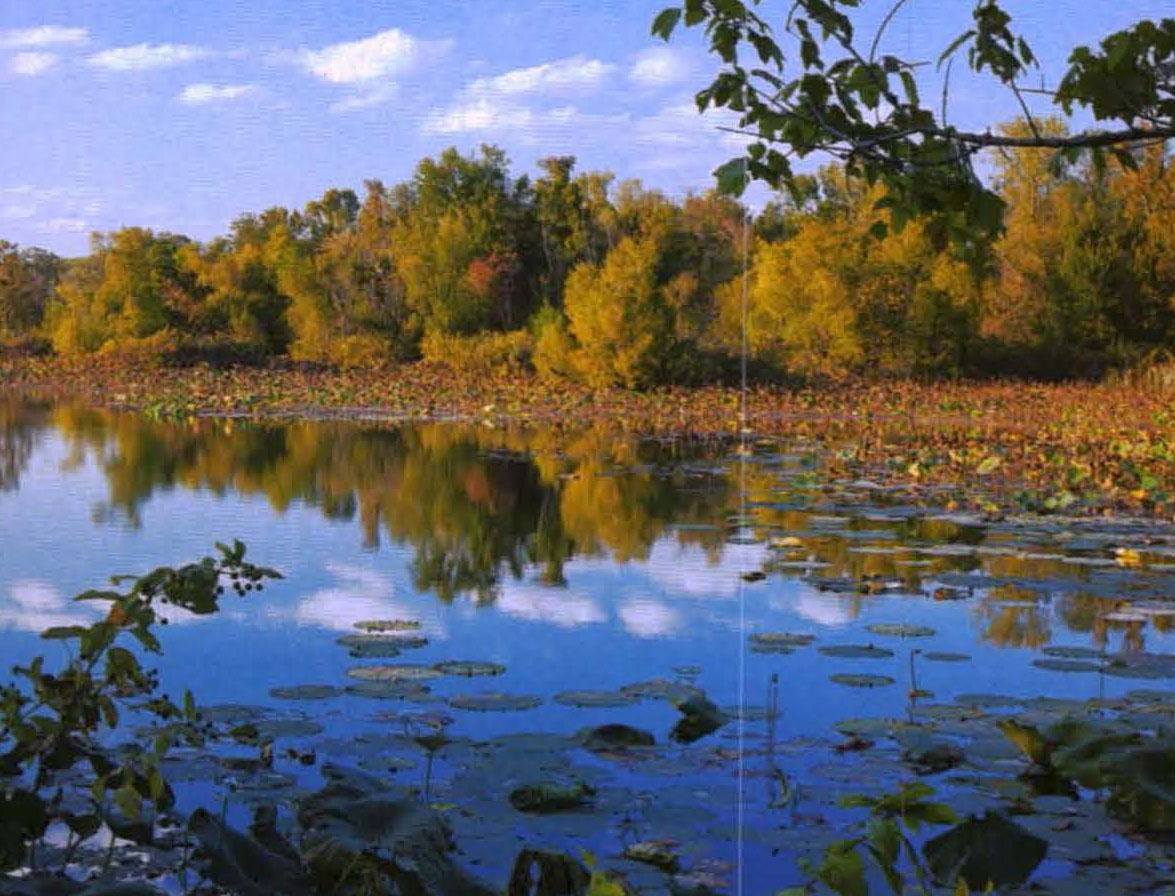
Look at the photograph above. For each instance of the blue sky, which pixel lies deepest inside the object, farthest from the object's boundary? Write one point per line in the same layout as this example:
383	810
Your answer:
180	116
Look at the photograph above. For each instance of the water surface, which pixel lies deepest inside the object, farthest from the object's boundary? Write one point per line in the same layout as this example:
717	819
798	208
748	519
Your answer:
575	560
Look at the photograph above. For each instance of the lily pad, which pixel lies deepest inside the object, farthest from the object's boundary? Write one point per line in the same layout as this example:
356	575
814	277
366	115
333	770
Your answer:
1062	665
615	737
390	690
985	851
849	680
1073	652
900	630
595	699
856	651
387	625
397	672
469	668
305	692
494	701
380	645
660	689
942	656
768	642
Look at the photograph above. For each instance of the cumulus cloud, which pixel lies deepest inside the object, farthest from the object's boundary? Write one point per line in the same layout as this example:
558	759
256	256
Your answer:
141	57
478	115
203	94
32	63
575	73
541	603
33	606
385	55
658	67
358	594
514	101
647	618
42	36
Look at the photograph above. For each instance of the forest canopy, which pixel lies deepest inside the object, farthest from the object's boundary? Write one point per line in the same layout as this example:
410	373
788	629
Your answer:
574	274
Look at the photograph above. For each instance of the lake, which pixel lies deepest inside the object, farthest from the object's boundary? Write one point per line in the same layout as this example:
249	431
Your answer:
594	578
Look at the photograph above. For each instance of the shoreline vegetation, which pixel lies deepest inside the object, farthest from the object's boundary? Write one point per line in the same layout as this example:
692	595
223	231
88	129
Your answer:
587	280
988	447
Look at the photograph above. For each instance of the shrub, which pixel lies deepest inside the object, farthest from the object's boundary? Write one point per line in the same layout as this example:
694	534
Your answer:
482	353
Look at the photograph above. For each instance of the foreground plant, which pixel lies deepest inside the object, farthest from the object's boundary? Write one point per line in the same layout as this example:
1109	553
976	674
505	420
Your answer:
57	763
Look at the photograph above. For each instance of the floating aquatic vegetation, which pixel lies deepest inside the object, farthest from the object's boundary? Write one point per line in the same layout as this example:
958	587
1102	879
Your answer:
900	630
1073	652
387	625
985	851
856	651
660	689
494	701
699	717
305	692
595	699
614	737
541	799
778	642
941	656
411	691
379	645
1056	664
469	668
661	854
400	672
850	680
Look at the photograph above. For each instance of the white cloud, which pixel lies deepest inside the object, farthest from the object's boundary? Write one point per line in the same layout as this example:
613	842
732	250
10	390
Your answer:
148	56
367	99
358	594
543	603
202	94
659	66
478	115
648	618
32	63
575	73
17	212
65	225
34	606
43	36
385	55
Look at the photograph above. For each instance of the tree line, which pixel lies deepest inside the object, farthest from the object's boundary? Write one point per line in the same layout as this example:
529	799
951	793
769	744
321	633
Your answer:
577	275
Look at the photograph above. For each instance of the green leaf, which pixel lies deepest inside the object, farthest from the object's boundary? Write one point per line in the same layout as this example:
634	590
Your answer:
842	870
732	177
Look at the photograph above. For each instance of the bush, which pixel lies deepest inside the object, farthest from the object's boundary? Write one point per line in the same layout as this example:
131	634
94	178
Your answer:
482	353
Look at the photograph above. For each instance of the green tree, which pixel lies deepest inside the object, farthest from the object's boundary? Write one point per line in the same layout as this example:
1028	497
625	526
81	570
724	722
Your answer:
818	85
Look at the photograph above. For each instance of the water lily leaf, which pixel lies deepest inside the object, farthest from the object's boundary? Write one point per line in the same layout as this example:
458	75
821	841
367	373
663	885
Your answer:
614	737
660	689
387	625
900	630
541	799
469	668
400	672
849	680
494	701
769	641
986	851
1073	652
390	690
939	656
595	699
1062	665
305	692
241	864
856	651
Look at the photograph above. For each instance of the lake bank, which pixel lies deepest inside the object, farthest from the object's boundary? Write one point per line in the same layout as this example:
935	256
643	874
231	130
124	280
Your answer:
979	446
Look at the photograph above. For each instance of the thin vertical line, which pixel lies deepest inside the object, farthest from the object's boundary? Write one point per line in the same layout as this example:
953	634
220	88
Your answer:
740	812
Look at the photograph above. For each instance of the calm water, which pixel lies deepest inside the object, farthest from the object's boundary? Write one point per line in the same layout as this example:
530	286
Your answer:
577	561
